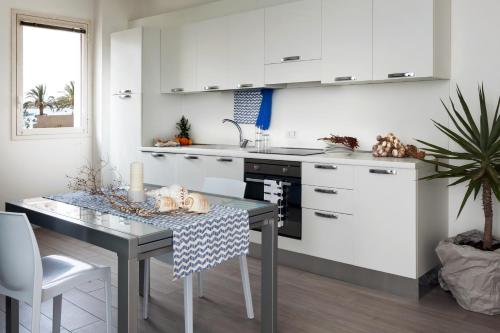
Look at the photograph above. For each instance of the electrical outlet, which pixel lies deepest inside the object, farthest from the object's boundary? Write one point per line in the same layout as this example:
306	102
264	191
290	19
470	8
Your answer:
291	134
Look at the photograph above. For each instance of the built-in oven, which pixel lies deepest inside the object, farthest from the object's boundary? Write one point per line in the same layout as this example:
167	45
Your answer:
259	174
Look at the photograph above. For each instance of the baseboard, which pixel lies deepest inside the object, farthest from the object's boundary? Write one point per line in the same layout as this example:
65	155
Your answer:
398	285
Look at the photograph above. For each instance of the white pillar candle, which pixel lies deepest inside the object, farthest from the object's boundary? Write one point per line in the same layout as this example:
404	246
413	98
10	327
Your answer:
136	176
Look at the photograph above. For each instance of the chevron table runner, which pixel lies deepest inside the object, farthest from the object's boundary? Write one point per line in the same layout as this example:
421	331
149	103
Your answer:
201	241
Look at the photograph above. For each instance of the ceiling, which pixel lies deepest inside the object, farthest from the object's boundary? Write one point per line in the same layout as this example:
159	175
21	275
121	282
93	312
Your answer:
144	8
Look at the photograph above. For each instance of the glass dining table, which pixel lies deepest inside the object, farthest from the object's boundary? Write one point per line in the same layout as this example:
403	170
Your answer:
133	242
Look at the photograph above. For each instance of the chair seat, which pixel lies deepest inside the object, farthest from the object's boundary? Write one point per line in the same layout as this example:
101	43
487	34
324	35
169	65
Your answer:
59	271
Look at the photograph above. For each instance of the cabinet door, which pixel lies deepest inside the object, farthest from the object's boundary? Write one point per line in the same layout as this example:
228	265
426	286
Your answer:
190	171
403	38
385	215
125	133
328	235
213	56
159	168
126	61
347	41
293	32
178	70
224	167
246	50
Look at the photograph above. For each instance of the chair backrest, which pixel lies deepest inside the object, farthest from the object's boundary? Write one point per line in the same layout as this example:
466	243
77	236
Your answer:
20	262
224	186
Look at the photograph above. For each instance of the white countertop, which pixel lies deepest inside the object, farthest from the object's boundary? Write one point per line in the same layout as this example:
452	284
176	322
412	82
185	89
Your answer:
234	151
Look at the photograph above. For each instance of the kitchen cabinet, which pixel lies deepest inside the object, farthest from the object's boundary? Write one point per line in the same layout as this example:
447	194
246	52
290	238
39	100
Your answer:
212	54
347	41
293	42
133	53
411	39
224	167
159	168
179	56
246	50
328	235
386	220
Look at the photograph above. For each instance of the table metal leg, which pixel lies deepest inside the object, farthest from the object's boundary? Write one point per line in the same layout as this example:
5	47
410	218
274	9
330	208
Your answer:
269	295
142	265
128	294
11	315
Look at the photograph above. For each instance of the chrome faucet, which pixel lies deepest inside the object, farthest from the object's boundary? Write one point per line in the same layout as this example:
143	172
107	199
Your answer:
243	142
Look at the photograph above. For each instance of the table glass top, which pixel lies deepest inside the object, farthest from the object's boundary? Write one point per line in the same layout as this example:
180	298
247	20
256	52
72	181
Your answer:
126	227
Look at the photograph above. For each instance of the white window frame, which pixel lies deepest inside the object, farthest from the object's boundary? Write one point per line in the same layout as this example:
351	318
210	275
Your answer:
18	130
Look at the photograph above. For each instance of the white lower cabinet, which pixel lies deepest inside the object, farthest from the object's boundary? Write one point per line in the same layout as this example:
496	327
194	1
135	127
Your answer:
385	230
189	170
328	235
159	168
327	198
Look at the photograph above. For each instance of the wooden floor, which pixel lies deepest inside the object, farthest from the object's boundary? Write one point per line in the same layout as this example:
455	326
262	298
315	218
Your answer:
307	302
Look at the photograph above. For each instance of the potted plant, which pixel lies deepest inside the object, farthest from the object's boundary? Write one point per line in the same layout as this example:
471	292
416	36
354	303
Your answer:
471	269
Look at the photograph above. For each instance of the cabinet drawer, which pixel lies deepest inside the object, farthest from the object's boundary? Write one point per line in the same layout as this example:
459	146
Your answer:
328	175
328	235
224	167
328	199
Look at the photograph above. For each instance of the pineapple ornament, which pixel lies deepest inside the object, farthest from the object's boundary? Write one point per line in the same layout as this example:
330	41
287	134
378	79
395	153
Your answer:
184	127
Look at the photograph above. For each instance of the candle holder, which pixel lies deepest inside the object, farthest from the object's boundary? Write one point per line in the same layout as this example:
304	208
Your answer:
136	195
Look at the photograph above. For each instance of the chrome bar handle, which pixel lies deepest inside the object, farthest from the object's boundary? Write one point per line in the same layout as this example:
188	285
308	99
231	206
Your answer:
326	216
191	157
290	58
210	88
383	171
326	166
345	78
224	159
261	181
123	96
245	85
177	90
325	191
400	75
157	155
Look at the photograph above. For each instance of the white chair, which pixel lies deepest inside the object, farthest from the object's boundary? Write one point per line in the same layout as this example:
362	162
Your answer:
220	186
27	277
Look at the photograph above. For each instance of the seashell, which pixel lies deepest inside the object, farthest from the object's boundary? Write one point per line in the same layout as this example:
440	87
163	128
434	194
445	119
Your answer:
179	194
158	193
395	152
197	203
166	204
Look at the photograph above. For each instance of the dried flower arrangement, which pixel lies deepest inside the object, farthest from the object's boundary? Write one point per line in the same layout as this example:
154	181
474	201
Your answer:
348	141
391	146
88	179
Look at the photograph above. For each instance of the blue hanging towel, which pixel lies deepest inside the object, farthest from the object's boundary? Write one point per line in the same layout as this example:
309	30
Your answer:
264	118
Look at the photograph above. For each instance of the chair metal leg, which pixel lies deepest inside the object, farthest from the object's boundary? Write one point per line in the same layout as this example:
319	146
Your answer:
145	291
245	279
35	317
109	301
188	304
56	313
199	278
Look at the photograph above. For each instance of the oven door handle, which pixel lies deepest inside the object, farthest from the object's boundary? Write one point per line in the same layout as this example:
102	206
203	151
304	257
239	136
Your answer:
261	181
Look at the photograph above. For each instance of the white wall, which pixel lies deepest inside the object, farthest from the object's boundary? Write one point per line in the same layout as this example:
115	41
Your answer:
359	110
35	167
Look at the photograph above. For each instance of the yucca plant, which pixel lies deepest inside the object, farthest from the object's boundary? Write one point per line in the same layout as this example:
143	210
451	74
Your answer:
36	98
478	164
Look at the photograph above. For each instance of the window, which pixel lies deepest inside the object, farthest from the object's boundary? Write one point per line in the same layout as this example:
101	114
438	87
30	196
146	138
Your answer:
49	76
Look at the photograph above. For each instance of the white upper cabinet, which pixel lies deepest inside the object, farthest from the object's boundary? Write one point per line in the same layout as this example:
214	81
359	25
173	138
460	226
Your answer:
293	42
411	39
293	32
213	54
347	41
246	50
179	51
126	61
